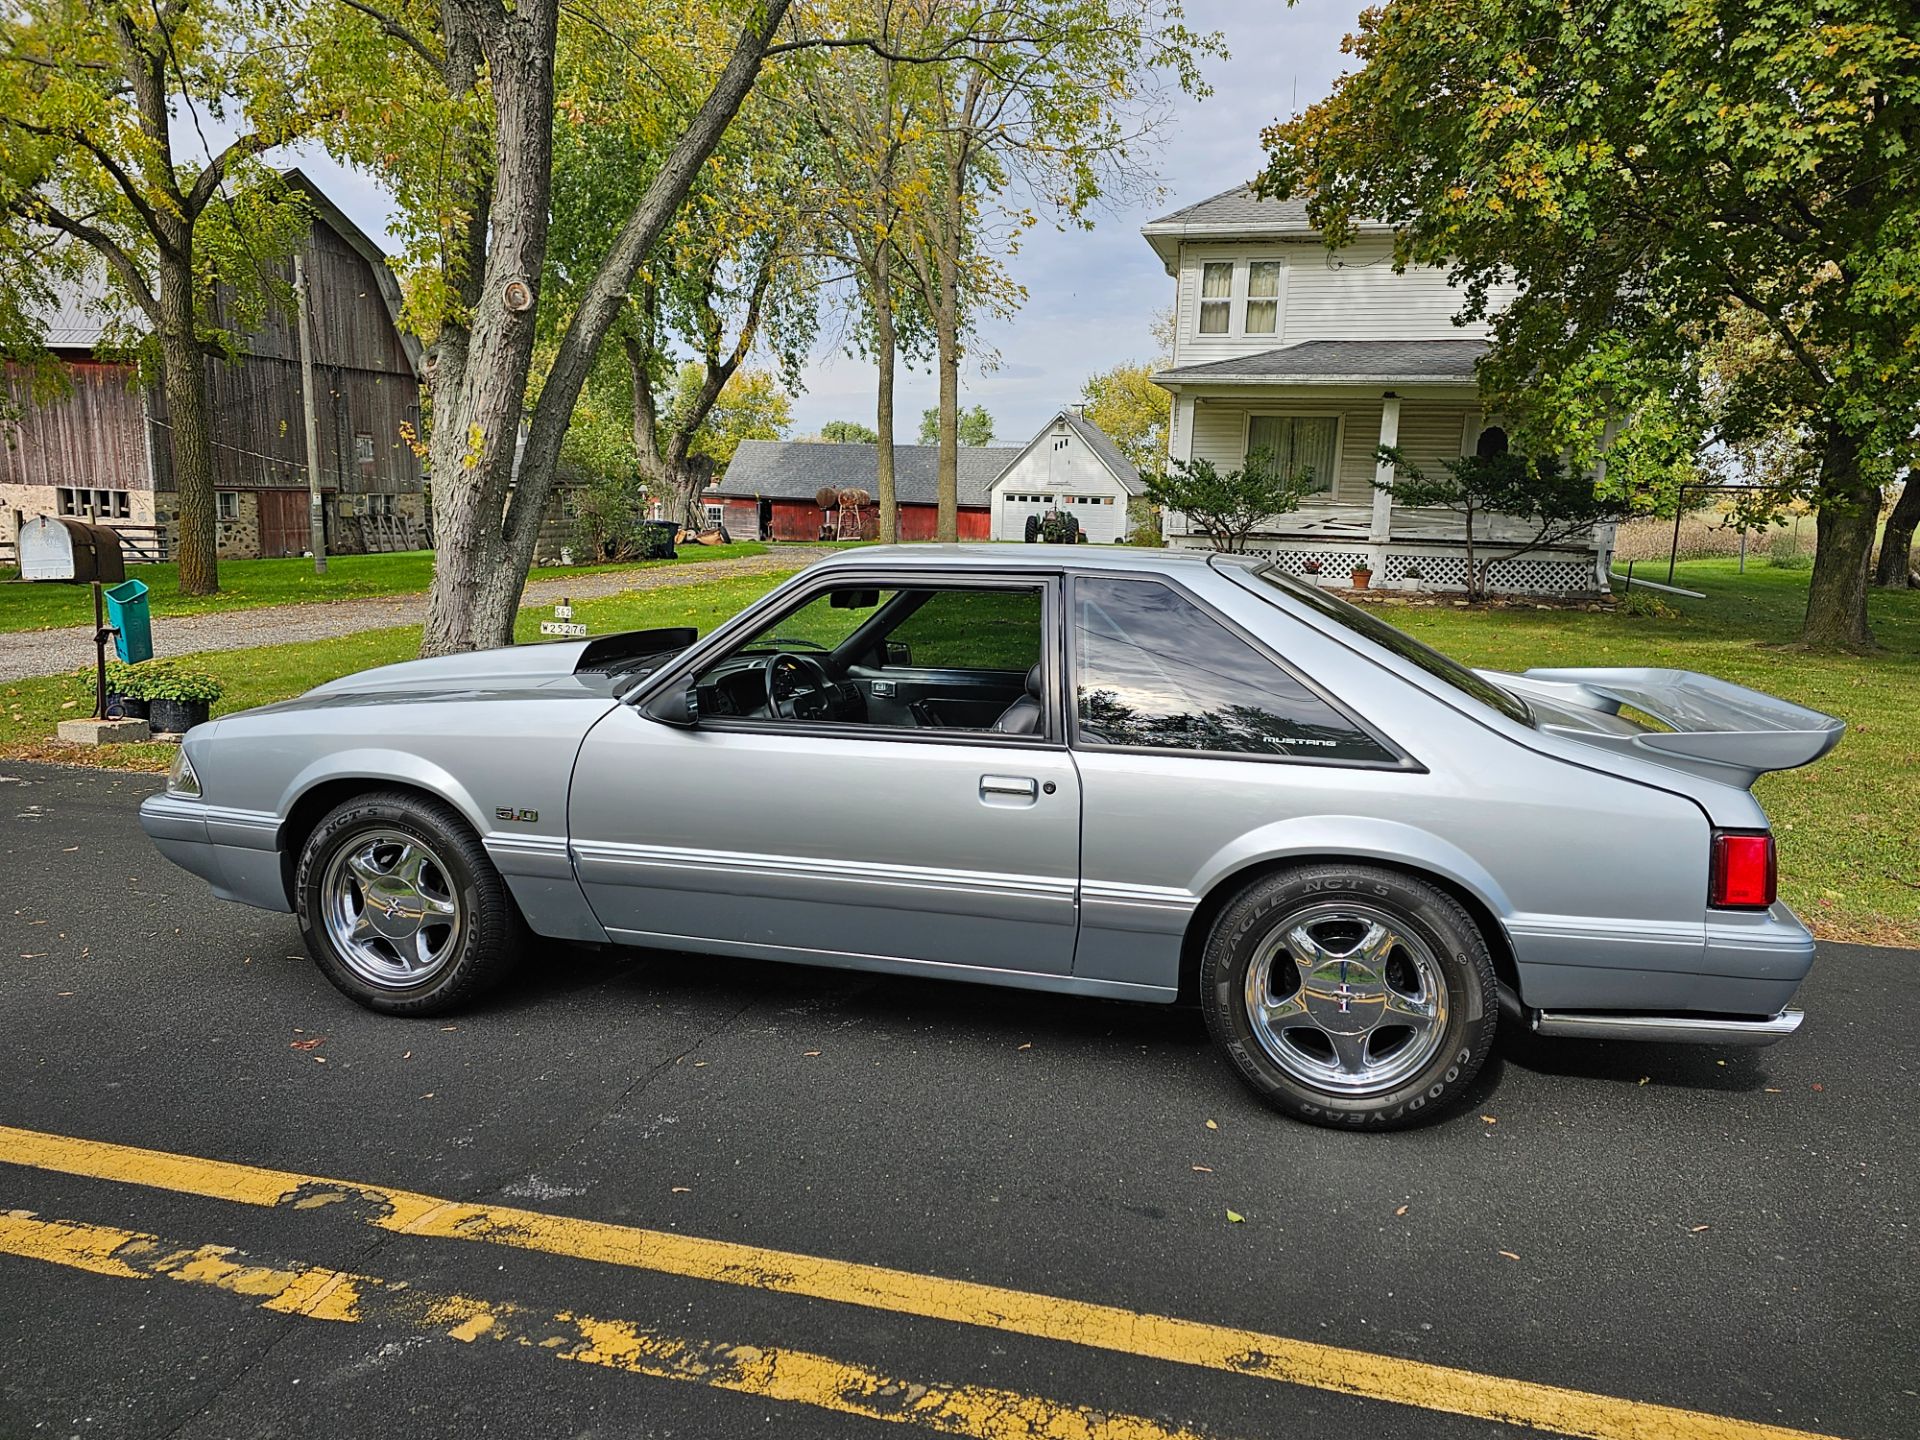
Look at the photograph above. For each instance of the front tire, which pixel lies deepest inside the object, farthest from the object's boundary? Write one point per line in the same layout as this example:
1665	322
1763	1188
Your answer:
401	908
1350	995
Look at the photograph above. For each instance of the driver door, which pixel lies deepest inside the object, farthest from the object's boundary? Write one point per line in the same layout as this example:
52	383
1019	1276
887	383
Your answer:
876	837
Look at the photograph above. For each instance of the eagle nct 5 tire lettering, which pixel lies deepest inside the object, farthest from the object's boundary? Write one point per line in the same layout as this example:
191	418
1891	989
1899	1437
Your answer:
1350	995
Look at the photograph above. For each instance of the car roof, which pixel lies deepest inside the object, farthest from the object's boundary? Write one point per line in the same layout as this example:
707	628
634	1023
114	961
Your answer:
1011	556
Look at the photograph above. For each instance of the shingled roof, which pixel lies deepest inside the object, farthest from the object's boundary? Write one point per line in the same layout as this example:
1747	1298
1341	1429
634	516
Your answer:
1234	214
1326	362
796	469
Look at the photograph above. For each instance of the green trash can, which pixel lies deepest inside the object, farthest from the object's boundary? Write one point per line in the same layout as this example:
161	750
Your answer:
127	614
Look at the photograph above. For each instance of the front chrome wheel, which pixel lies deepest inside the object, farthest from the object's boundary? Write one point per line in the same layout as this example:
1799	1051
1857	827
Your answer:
391	909
1345	997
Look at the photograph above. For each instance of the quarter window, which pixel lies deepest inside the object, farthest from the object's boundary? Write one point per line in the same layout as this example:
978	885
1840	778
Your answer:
1263	297
1154	670
1216	296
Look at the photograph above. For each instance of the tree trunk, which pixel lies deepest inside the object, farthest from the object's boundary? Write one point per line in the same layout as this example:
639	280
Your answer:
886	347
477	402
1849	511
946	316
1896	543
183	380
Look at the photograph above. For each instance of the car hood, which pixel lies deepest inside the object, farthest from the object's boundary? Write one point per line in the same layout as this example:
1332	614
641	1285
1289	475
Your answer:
512	669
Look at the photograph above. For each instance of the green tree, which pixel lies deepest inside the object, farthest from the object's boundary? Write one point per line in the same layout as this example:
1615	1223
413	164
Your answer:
849	432
752	405
972	427
93	176
1131	409
452	104
1642	173
1047	107
1227	506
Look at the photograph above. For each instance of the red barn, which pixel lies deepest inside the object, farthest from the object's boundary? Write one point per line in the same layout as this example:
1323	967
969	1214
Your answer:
767	492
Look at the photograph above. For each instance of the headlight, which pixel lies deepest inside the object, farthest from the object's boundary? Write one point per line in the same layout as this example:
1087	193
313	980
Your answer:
180	777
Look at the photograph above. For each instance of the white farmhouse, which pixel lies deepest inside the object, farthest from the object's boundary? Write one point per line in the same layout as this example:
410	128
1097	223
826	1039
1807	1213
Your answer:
1071	466
1319	359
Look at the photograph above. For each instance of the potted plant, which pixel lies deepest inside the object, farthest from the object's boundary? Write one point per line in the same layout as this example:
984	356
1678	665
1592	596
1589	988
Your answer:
178	696
1362	575
1311	569
125	699
1412	577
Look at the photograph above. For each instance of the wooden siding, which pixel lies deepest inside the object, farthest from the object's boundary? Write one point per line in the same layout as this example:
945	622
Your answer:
1354	295
93	436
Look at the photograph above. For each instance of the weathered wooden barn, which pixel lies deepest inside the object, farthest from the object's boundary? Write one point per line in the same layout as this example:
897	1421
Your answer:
101	449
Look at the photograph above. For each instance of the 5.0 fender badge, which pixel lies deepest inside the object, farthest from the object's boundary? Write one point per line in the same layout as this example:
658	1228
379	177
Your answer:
526	817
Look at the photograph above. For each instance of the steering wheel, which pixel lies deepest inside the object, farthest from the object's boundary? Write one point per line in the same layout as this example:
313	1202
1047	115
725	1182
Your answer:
782	694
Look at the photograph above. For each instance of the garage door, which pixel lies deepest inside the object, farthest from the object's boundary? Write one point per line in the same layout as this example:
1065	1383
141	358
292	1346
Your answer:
1010	523
1101	517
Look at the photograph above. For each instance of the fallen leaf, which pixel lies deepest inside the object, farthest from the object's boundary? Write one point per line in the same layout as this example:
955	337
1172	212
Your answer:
1027	1046
71	850
1401	1211
683	1189
1213	1125
407	1056
1773	1090
307	1044
813	1052
1510	1255
1234	1217
319	1059
1645	1078
443	1029
1818	1086
1203	1169
1489	1119
427	1096
1698	1228
698	1063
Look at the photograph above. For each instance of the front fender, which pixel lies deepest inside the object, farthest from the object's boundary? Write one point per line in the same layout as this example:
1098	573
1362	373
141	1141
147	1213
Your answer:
378	763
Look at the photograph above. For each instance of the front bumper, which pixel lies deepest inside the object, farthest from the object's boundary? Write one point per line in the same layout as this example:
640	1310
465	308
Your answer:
237	852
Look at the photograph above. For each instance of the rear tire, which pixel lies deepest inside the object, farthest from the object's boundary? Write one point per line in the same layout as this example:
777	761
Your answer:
401	908
1350	995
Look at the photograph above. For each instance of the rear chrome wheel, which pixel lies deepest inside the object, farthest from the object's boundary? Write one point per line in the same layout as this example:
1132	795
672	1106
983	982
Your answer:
1346	998
401	908
1350	995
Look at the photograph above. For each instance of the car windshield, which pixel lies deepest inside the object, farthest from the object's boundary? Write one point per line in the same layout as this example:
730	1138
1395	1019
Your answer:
1400	643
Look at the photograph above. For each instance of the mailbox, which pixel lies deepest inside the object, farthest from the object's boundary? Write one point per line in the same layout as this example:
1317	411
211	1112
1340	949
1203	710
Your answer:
58	548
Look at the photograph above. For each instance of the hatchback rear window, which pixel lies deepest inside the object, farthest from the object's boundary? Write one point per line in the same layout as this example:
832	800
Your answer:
1387	637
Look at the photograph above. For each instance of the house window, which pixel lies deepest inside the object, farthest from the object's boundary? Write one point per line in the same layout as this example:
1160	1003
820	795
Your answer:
363	450
226	505
99	504
715	514
1263	297
1293	444
1216	296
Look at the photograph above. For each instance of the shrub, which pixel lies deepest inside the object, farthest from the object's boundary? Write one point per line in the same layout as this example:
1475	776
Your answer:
121	680
172	680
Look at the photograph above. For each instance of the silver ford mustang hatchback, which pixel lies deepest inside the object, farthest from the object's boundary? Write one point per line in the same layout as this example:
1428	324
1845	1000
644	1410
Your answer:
1142	775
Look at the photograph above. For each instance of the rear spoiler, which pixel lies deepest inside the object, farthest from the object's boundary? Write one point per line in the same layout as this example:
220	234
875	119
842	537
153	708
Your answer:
1717	729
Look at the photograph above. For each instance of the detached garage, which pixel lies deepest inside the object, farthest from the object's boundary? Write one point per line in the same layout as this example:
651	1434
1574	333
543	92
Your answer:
768	491
1070	466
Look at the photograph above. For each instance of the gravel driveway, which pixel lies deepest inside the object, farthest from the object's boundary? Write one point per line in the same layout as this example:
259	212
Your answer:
52	652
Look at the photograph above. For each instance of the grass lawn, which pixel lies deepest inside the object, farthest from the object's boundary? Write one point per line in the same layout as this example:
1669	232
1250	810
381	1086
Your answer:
1849	825
250	584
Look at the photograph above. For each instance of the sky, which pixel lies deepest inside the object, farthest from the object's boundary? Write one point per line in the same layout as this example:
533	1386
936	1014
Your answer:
1091	294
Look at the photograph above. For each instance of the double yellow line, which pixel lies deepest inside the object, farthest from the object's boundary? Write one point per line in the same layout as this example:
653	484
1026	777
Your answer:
1250	1353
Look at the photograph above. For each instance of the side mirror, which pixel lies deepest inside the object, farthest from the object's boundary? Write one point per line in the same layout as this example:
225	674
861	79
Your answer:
899	652
679	708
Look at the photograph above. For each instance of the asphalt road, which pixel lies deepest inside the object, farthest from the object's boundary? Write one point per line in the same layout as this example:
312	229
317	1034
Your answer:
1728	1233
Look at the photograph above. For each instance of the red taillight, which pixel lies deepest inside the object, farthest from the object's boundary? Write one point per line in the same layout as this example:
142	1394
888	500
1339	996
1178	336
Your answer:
1744	873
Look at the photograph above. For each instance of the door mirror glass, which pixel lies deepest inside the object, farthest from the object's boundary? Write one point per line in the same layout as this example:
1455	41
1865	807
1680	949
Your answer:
899	652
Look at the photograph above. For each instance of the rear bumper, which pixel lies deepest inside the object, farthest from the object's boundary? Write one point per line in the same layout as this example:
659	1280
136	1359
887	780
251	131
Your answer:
237	852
